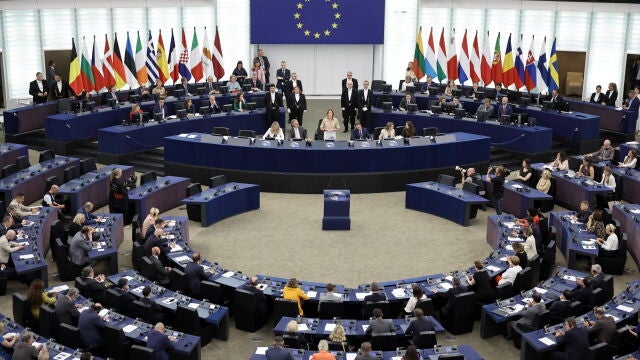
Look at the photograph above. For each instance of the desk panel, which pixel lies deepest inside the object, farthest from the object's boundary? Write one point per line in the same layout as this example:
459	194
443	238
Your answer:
442	200
623	121
10	152
224	201
165	194
27	118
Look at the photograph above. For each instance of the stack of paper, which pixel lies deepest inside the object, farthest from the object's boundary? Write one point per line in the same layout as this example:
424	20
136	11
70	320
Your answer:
360	296
547	341
399	292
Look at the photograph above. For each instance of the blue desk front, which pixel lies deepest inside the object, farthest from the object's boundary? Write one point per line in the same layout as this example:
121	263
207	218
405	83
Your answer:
629	217
623	121
121	139
224	201
627	179
165	193
107	238
298	354
517	197
572	237
522	139
69	127
9	153
356	328
27	118
442	200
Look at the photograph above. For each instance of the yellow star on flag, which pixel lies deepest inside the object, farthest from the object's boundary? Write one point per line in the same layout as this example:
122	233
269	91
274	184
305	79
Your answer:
296	15
316	35
299	25
337	15
327	33
334	25
299	5
334	5
307	33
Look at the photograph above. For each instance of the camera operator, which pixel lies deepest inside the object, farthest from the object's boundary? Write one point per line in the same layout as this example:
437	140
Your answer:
118	199
498	186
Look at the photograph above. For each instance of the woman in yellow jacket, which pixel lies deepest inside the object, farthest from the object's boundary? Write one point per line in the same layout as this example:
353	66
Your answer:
292	292
36	296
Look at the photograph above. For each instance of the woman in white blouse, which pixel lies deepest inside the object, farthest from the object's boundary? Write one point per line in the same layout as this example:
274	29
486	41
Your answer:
561	162
608	179
274	132
418	295
610	245
530	243
630	160
509	276
388	132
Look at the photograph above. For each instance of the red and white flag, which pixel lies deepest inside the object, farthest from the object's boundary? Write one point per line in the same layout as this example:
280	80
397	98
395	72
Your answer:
218	63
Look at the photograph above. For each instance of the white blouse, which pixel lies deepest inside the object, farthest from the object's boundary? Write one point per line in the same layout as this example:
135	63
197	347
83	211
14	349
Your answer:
611	243
278	136
509	276
384	134
611	184
530	247
411	304
630	164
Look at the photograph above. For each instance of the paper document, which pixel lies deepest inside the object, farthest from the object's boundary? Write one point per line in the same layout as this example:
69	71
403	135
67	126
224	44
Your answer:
103	312
129	328
176	248
547	341
183	258
365	327
26	257
493	268
193	305
504	258
635	211
303	327
516	186
569	277
60	288
312	294
624	308
360	296
540	290
509	223
329	327
514	239
192	136
228	274
261	350
509	247
446	285
397	292
183	135
351	356
62	356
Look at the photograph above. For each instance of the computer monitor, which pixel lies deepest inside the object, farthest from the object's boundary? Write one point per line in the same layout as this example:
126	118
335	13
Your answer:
436	109
144	117
157	117
459	113
228	108
387	105
483	115
525	101
410	88
513	96
504	119
204	110
246	87
411	108
251	106
562	105
479	95
178	93
223	89
547	105
386	88
456	92
448	107
181	113
434	90
134	98
89	106
201	90
418	140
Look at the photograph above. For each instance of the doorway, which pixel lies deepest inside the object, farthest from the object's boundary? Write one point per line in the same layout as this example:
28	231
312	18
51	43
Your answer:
62	59
630	79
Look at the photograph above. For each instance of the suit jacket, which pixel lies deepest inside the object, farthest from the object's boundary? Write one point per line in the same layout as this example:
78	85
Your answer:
51	75
583	295
507	110
416	326
366	357
150	243
449	295
160	344
403	103
160	274
560	308
362	102
182	87
301	130
355	134
266	63
270	105
377	326
597	281
529	315
79	249
285	75
22	351
255	84
597	98
634	104
60	94
299	105
576	343
353	80
34	90
194	273
66	310
610	97
375	297
349	102
488	108
126	297
289	85
210	86
96	289
89	218
90	326
278	353
603	329
110	96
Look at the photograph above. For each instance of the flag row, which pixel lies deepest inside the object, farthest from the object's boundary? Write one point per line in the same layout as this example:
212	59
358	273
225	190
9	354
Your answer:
144	64
517	69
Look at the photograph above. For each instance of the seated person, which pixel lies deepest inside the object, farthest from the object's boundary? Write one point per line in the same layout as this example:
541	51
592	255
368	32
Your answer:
427	84
18	221
473	91
447	297
603	329
296	131
388	132
183	85
379	325
584	213
274	132
456	103
25	348
21	209
596	225
80	245
194	274
96	289
36	296
66	308
323	354
562	307
608	179
233	86
480	284
329	296
419	324
409	129
189	107
504	108
7	246
239	103
338	336
597	277
277	351
49	199
213	105
211	86
143	91
408	83
500	92
149	221
486	106
91	327
122	288
574	342
417	295
86	210
76	225
555	99
256	85
159	89
408	99
160	109
518	248
292	291
158	272
376	294
159	342
112	95
629	161
583	293
509	276
360	133
448	91
608	246
529	316
605	153
544	183
561	162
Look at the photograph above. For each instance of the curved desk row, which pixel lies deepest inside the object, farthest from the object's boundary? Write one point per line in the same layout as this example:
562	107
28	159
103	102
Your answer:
611	119
629	218
221	202
120	142
466	351
295	168
10	152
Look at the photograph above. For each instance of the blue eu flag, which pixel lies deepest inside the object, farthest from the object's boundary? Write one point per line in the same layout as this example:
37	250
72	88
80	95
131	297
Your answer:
317	21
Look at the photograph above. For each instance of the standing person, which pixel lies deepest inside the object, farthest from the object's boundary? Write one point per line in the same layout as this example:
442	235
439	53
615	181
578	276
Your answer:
159	342
349	104
194	273
264	63
635	73
258	71
51	74
38	89
282	76
597	97
273	103
239	72
364	105
297	105
118	199
292	83
59	89
611	96
350	79
498	187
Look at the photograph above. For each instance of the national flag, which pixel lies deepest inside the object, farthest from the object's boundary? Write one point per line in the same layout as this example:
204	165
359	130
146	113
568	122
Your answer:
554	78
475	60
184	58
141	62
530	69
452	58
107	65
130	64
441	66
207	58
464	68
117	65
418	57
161	56
85	69
173	59
519	65
218	63
496	63
430	63
195	61
508	70
542	73
485	64
96	68
75	79
151	62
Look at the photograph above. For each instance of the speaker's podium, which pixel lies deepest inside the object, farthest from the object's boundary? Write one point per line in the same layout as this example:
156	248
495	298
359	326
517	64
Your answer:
336	210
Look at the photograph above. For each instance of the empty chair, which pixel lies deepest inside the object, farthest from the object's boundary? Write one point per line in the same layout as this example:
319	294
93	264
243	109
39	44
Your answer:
136	255
425	340
523	280
284	307
548	260
51	180
221	130
292	341
146	268
9	170
194	189
212	292
217	180
71	173
461	314
247	133
47	322
376	85
178	281
22	162
376	132
114	300
69	335
426	305
248	313
116	345
430	131
63	106
148	177
46	155
61	256
188	321
140	352
143	311
446	180
82	286
330	309
384	341
87	165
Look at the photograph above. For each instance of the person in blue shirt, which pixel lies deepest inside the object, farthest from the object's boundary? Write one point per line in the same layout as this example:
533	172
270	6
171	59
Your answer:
277	351
89	218
159	342
91	327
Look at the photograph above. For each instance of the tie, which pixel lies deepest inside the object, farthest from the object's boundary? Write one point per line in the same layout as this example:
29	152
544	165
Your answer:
360	134
504	110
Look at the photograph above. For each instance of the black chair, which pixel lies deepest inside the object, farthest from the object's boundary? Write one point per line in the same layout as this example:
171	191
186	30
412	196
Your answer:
178	281
330	309
446	180
248	312
148	177
384	341
48	322
188	321
194	189
474	189
425	340
292	341
430	131
52	180
69	335
319	135
115	345
136	255
22	162
3	286
213	292
22	311
87	165
504	291
221	130
523	280
376	85
217	180
548	260
114	300
146	268
66	272
140	352
600	351
71	173
385	306
246	133
534	264
135	228
337	346
399	130
9	170
615	265
143	311
428	308
82	287
376	133
283	307
460	318
46	155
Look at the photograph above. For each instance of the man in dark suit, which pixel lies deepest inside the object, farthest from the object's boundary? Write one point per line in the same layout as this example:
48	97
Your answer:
264	63
604	328
419	324
159	342
360	133
349	79
575	341
349	103
59	89
143	92
157	224
583	293
296	131
51	73
283	75
597	97
213	107
272	103
406	100
555	99
89	218
277	351
156	310
211	86
262	299
38	89
292	83
500	92
160	108
375	295
155	241
194	274
66	308
379	325
504	108
429	83
632	103
597	277
91	327
112	94
95	284
159	272
448	296
562	307
635	73
184	85
123	290
256	85
7	223
365	97
297	105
